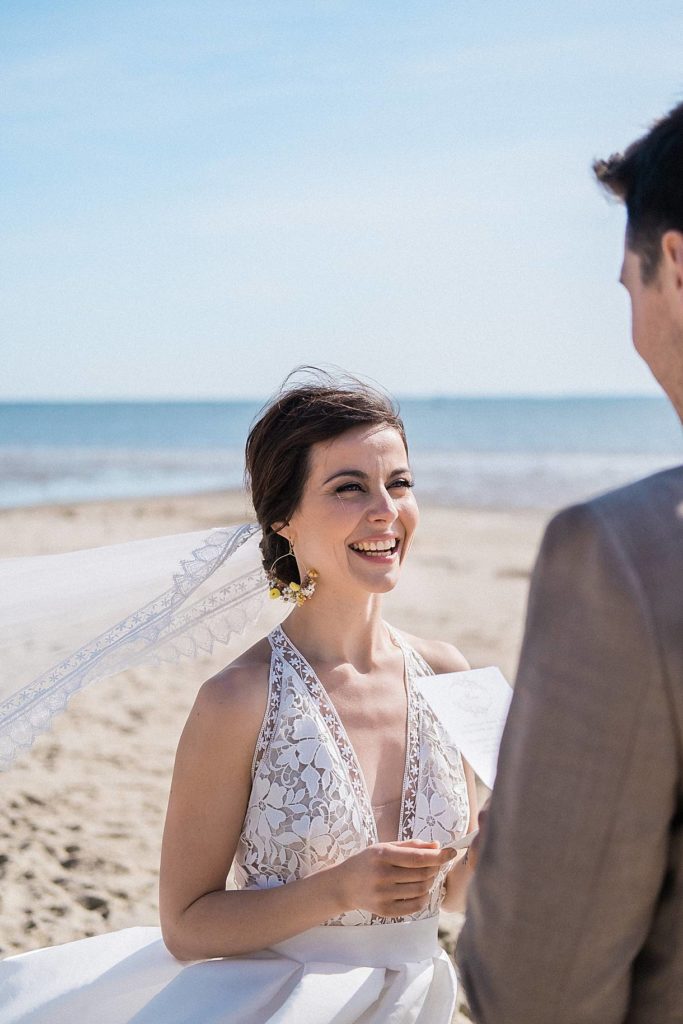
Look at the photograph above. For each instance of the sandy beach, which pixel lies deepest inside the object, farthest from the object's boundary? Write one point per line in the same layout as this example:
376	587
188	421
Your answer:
81	815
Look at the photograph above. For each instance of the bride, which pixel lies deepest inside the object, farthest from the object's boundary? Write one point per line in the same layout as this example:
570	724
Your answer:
310	765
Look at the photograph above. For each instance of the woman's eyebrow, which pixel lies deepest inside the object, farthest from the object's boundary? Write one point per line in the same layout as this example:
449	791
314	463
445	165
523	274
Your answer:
360	475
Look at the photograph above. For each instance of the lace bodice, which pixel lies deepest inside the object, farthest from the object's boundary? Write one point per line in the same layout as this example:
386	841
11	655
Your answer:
309	806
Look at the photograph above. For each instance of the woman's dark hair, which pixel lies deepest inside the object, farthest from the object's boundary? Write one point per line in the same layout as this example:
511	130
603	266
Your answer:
311	406
648	178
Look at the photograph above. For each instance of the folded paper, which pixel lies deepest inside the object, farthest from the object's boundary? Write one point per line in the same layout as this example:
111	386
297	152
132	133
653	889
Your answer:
472	707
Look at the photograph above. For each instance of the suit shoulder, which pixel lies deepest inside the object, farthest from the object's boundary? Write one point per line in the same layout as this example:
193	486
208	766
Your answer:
633	516
441	656
659	491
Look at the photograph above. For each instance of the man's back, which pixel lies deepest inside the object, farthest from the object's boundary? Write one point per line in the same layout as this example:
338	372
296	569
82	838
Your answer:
576	912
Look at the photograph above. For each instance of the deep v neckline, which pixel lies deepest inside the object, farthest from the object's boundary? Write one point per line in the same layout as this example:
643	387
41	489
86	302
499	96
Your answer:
340	737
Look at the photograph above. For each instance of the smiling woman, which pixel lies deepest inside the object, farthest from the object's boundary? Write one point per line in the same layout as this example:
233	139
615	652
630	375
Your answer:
310	765
370	508
304	418
351	518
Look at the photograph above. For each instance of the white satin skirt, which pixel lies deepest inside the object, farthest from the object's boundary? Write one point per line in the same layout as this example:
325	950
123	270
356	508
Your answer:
374	974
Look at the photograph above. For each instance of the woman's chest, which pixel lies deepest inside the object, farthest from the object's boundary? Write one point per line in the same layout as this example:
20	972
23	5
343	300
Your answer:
376	723
310	777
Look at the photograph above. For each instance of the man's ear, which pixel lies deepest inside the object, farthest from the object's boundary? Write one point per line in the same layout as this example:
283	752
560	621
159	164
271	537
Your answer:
672	252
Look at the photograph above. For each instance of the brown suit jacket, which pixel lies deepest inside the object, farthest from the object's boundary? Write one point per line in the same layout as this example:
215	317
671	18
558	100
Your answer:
576	911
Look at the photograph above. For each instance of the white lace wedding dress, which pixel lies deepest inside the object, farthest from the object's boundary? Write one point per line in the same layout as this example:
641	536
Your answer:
309	808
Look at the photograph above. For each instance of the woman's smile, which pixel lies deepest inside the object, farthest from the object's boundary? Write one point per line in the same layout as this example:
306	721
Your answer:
383	549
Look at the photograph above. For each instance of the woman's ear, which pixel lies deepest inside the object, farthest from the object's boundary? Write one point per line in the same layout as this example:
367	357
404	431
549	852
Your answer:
283	530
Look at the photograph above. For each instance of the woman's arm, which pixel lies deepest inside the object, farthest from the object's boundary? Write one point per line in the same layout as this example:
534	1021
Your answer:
208	800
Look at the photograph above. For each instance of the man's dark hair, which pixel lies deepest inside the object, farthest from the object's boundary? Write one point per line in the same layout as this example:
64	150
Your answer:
648	178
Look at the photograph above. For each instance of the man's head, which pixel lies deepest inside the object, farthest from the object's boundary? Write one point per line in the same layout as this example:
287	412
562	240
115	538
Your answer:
648	178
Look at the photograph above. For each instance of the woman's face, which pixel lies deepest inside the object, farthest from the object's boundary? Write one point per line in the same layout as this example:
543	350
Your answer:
358	513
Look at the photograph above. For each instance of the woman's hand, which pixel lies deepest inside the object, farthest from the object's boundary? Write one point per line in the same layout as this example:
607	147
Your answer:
391	879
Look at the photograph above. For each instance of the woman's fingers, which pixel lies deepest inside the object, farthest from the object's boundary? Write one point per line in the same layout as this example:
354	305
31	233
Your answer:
391	879
419	844
416	857
411	890
403	908
406	876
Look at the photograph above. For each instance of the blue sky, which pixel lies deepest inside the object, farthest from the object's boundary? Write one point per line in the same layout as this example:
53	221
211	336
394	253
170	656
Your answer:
197	196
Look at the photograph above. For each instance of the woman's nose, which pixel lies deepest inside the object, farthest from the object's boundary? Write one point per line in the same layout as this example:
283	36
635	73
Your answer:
383	508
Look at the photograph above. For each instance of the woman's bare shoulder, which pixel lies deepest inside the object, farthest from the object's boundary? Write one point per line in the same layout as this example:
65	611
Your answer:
237	693
441	657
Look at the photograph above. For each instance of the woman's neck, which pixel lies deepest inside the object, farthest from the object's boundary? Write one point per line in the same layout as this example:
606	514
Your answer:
335	628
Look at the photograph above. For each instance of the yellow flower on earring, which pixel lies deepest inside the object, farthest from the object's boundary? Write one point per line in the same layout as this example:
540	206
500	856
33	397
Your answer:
297	593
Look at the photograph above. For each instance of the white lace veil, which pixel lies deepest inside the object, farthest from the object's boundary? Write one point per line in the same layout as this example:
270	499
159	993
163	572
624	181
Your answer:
73	619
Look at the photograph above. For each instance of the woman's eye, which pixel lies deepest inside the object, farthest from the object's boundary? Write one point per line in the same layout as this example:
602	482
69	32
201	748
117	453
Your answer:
401	483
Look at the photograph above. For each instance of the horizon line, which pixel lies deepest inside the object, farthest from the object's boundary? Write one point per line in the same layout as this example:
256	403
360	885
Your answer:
421	397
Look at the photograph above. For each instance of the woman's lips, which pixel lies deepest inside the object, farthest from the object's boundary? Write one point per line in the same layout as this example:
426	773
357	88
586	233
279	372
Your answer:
382	555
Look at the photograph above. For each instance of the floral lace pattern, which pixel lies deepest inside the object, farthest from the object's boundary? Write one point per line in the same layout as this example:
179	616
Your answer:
309	806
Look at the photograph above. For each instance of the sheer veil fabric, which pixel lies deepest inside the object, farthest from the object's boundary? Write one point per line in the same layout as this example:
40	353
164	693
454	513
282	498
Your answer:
73	619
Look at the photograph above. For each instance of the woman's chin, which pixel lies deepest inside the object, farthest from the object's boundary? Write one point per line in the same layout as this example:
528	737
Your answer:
381	584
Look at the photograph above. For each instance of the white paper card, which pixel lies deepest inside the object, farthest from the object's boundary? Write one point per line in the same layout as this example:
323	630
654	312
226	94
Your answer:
472	706
464	842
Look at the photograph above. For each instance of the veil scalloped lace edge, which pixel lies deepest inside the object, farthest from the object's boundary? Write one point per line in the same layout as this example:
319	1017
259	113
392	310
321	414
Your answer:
176	624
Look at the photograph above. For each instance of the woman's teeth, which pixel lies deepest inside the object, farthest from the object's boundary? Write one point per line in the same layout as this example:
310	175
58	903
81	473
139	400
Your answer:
376	548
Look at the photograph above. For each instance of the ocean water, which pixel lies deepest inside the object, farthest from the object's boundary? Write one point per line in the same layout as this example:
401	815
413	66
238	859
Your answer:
494	452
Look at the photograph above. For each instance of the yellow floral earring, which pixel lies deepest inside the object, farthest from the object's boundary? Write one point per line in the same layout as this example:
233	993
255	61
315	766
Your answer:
295	593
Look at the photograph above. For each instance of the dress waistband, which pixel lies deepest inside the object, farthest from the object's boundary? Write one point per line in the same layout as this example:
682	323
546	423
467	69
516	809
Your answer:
368	945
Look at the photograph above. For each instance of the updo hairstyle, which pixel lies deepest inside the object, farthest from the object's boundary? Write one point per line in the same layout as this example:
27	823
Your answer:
302	413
